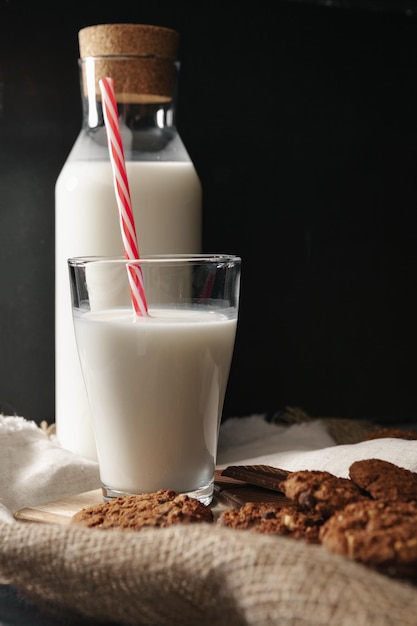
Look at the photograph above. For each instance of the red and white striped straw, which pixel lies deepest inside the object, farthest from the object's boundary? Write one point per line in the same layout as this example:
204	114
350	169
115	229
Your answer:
122	192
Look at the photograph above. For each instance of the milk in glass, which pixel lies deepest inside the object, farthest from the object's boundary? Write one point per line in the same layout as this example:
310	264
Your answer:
157	387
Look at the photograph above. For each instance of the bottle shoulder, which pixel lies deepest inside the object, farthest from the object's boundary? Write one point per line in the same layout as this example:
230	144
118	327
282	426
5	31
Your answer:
158	146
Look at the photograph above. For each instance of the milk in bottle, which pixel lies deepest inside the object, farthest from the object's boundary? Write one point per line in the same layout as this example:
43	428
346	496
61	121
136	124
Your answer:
165	188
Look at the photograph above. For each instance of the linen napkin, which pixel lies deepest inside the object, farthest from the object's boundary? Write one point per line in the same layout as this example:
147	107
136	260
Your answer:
35	469
305	446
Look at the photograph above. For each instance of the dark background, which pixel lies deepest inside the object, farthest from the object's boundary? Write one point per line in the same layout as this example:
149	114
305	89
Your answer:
301	120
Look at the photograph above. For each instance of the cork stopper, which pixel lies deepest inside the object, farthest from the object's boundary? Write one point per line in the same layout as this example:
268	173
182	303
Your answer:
139	57
134	39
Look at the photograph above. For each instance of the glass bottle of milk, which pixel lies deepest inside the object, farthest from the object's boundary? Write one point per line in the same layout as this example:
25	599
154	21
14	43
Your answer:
165	189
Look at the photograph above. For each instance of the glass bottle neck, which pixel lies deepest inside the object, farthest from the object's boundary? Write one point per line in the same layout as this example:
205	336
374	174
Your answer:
145	90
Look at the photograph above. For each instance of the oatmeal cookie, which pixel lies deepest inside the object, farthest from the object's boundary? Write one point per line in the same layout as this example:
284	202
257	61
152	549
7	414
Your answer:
384	480
159	509
320	491
376	533
273	519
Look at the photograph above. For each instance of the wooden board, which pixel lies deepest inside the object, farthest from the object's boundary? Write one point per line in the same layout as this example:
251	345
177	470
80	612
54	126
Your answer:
59	511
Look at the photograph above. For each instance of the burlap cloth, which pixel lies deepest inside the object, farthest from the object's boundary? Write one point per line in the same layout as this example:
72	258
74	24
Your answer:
196	574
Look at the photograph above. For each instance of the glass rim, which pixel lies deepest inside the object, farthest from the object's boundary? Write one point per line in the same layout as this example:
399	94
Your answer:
153	259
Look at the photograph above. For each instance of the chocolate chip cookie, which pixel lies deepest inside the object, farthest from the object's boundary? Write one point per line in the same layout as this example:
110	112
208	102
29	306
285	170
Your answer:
384	480
159	509
320	492
376	533
273	519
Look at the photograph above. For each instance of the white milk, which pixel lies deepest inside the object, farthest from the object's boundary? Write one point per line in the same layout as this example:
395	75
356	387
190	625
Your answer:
166	199
157	388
